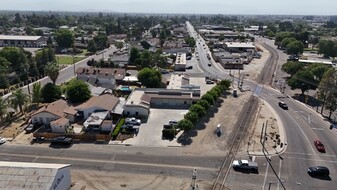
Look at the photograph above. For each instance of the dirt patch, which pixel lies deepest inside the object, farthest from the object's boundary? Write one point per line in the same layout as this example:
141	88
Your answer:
204	140
12	127
100	180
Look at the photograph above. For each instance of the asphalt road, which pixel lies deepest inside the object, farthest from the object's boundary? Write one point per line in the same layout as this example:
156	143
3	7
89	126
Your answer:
170	161
302	127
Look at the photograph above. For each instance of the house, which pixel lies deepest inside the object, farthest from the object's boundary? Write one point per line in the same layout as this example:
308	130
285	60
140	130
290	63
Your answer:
105	77
52	112
105	102
141	99
60	125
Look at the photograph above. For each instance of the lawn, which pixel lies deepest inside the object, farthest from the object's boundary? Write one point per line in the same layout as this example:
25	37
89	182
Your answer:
67	60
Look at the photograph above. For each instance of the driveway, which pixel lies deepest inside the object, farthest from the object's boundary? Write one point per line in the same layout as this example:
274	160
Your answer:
150	133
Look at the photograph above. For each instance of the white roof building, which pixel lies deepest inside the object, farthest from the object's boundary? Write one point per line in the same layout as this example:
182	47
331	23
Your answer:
34	176
23	38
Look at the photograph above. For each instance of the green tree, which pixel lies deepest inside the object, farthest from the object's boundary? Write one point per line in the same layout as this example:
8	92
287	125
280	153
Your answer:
295	47
204	103
190	41
92	46
50	93
303	80
145	44
150	78
52	70
209	98
318	70
78	91
18	99
185	125
134	54
225	84
199	109
64	38
292	67
101	41
328	48
191	116
286	41
37	93
281	35
327	90
119	45
3	108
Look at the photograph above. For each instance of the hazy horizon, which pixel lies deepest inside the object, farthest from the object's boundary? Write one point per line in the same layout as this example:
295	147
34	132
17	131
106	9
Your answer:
244	7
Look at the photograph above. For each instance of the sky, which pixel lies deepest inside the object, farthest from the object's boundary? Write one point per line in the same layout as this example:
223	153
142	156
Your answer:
260	7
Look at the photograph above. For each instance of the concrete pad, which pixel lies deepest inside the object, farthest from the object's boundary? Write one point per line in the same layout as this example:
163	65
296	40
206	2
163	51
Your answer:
150	133
200	81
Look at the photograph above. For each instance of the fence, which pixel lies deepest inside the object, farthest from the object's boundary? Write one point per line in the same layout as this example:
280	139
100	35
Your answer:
76	137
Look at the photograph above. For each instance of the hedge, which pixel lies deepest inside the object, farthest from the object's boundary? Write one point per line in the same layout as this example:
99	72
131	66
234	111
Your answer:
118	128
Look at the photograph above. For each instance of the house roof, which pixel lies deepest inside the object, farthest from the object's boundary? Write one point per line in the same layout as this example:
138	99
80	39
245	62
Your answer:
106	101
61	121
56	108
119	74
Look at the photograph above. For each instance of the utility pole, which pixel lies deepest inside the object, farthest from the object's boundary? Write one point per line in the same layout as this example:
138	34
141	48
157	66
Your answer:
194	186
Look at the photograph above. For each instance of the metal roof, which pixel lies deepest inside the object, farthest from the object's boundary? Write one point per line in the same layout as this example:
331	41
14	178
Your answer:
27	38
22	175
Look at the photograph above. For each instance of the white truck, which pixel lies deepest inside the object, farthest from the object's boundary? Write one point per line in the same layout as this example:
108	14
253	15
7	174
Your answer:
245	165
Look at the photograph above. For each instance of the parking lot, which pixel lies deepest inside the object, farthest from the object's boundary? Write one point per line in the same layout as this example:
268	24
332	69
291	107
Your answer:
150	133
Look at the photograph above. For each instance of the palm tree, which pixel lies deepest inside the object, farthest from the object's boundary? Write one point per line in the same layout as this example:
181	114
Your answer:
18	99
52	70
37	95
3	108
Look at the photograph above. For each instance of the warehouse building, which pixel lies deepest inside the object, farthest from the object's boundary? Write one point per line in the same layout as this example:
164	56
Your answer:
22	41
34	176
180	64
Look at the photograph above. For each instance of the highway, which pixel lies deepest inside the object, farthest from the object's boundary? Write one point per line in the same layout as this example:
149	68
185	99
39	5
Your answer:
301	124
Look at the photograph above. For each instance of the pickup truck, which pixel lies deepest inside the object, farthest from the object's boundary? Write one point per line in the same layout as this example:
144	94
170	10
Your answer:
245	165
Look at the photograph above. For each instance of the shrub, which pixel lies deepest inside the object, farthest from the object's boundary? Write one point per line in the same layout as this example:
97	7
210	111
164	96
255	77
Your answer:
204	103
118	128
197	108
209	98
185	125
192	116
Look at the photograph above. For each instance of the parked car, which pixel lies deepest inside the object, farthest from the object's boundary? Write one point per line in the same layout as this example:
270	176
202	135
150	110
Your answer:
283	105
133	121
173	122
319	145
62	140
208	81
318	171
29	128
245	165
2	140
127	126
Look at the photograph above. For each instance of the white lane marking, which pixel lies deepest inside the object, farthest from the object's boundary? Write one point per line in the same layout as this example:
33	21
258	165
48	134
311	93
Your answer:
265	175
306	154
298	126
316	160
279	173
318	129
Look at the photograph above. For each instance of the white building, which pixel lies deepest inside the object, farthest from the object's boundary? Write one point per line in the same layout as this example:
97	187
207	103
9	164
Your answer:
141	99
33	176
238	47
60	125
177	81
52	112
22	41
180	63
105	102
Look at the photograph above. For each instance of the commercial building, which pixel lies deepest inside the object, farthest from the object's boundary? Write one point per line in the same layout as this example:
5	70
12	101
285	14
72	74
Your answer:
238	47
180	63
177	81
33	176
141	99
22	41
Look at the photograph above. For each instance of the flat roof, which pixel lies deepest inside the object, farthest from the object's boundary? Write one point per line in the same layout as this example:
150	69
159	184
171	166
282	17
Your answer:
239	45
13	37
177	81
96	118
181	59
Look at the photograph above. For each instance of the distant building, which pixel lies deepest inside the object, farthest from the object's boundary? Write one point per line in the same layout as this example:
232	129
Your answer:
238	47
33	176
180	63
22	41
